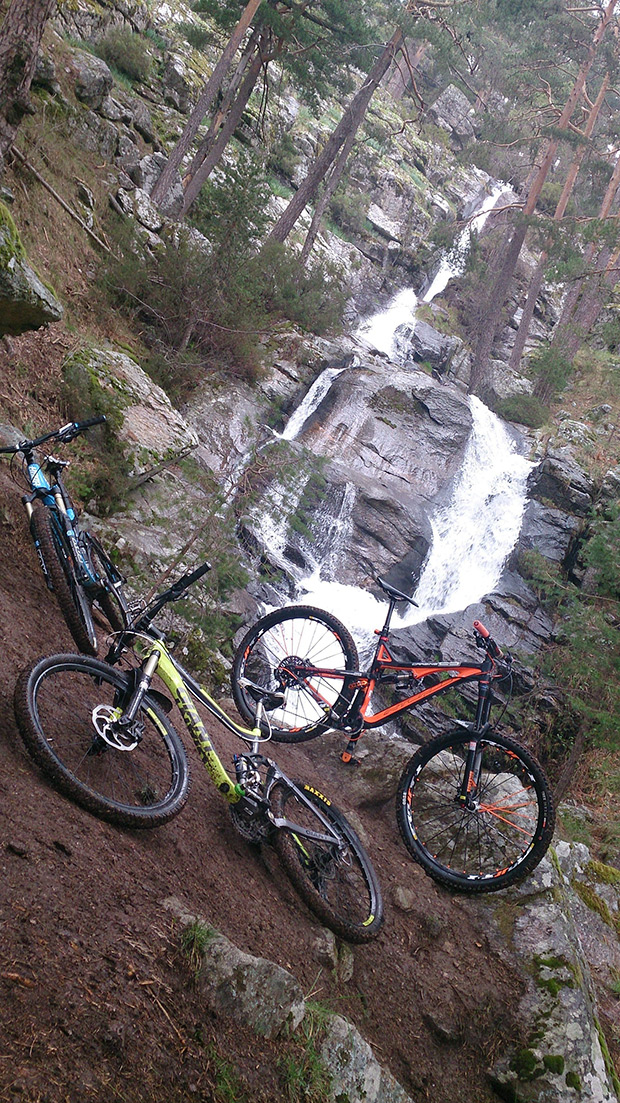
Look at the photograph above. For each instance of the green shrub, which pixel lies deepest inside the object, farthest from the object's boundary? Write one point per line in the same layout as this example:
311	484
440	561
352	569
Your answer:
206	308
197	36
526	409
552	371
349	209
126	51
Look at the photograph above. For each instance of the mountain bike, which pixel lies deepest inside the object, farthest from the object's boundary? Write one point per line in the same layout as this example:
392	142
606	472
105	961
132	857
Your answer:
102	735
473	806
74	563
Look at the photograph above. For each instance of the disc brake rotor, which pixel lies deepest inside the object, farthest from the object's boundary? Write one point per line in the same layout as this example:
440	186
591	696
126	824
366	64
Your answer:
105	721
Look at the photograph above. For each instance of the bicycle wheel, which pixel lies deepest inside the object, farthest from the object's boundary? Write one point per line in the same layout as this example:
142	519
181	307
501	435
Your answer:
64	705
70	595
495	842
275	652
109	598
339	885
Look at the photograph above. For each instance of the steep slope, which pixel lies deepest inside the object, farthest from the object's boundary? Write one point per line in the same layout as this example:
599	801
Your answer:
96	1001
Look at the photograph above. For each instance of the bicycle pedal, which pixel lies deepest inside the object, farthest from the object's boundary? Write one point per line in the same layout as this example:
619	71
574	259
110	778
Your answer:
350	759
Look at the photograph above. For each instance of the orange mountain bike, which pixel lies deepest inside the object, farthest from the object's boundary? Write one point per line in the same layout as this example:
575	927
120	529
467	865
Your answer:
473	806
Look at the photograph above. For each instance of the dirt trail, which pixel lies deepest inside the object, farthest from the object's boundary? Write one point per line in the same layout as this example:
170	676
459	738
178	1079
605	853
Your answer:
96	1001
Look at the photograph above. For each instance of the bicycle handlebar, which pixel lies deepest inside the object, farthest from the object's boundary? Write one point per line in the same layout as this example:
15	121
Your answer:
66	433
171	594
484	639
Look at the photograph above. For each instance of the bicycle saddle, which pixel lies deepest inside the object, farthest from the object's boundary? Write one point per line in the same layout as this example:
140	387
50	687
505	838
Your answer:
396	594
259	693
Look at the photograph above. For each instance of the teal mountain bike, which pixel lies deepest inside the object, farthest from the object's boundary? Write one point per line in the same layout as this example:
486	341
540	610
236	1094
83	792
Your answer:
76	567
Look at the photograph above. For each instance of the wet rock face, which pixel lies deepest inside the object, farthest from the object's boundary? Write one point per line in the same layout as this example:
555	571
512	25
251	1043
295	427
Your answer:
399	428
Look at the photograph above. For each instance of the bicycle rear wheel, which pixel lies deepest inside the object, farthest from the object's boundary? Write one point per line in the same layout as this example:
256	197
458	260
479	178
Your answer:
338	884
70	595
277	653
504	833
109	598
65	706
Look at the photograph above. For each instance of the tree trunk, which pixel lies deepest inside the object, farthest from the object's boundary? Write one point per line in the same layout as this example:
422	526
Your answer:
193	184
208	94
499	291
20	38
330	186
224	107
567	335
537	279
349	124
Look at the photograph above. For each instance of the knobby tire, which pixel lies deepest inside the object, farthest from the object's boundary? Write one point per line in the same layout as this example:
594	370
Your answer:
504	835
270	653
341	888
54	702
70	595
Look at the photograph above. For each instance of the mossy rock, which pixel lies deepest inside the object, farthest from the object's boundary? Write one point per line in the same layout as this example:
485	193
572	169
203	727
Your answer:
25	302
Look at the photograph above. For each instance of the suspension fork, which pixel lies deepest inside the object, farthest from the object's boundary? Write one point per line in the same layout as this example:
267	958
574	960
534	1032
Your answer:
142	688
471	775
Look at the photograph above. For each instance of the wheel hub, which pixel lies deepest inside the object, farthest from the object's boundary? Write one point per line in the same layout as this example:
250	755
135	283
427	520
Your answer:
106	723
286	674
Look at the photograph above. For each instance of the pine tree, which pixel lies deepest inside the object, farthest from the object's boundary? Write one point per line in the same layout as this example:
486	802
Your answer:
20	37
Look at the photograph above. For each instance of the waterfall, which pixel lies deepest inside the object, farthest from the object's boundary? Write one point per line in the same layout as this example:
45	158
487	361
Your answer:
378	331
476	531
454	263
472	535
309	403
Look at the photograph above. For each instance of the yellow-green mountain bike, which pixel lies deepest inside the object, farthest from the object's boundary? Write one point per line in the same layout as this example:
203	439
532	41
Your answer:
103	736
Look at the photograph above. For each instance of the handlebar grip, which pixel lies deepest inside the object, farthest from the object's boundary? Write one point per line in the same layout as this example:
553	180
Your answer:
82	425
484	632
187	580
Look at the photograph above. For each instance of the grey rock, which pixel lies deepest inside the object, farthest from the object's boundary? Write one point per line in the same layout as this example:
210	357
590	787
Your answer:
380	221
548	531
111	109
151	429
45	75
93	79
356	1075
142	121
452	111
560	940
422	342
146	212
96	134
25	302
560	480
176	87
148	170
611	483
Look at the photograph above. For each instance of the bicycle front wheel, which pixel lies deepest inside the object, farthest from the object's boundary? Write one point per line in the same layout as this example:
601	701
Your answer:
491	837
304	653
70	595
338	883
65	707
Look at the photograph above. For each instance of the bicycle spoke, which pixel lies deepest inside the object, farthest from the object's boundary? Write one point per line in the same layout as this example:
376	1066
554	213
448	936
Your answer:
490	834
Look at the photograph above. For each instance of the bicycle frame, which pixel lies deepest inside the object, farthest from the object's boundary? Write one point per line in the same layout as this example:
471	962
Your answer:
183	687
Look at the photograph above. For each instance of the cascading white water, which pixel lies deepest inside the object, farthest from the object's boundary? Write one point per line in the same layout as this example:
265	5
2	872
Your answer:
309	403
475	532
454	263
472	535
378	331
